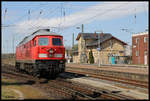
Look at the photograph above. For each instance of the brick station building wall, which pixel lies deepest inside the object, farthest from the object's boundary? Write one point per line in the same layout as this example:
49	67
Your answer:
141	47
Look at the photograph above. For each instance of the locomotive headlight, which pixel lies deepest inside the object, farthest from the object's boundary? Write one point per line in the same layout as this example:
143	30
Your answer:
50	55
42	55
58	55
51	50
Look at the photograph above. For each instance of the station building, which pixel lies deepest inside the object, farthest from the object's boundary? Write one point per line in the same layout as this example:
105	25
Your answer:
112	49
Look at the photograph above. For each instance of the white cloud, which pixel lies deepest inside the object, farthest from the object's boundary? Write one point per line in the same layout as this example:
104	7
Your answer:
103	11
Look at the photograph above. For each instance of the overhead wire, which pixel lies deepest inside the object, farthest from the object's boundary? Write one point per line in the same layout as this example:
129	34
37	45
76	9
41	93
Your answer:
5	13
63	16
37	27
52	11
4	26
89	18
29	12
103	13
26	14
51	16
44	16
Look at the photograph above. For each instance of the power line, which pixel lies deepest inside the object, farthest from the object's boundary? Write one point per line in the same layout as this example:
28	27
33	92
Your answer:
5	13
107	11
53	10
40	26
27	14
9	25
49	14
26	5
135	16
41	11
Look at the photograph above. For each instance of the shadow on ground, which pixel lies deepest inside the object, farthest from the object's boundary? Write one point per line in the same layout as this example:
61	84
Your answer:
69	75
29	82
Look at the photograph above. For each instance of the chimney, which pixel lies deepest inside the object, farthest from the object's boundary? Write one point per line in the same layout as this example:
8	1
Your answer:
101	35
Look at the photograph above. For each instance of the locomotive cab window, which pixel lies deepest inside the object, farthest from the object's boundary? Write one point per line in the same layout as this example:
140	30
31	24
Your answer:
43	41
56	41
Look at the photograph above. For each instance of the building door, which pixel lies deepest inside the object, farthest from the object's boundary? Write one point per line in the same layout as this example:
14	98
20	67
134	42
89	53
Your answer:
112	60
145	57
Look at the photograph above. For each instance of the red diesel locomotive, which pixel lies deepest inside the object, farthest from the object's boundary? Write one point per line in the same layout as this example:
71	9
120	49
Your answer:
41	54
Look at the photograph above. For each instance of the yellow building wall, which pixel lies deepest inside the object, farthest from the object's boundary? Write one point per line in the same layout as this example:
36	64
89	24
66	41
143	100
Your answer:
106	49
75	59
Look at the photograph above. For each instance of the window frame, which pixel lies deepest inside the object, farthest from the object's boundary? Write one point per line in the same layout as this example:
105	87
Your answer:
137	40
55	44
145	52
145	39
46	38
137	53
111	44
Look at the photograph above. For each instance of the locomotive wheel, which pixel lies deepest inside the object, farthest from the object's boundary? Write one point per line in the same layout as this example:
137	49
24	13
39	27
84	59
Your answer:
18	66
35	72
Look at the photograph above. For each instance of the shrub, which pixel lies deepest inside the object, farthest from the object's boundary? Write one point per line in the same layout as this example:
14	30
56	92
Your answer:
91	58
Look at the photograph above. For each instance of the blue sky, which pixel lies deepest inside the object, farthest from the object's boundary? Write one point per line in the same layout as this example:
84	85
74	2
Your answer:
110	17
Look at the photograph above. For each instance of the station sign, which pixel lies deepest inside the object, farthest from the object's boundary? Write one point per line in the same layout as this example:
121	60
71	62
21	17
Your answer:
98	49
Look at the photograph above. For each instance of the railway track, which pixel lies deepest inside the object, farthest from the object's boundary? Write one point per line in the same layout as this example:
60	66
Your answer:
110	78
97	93
49	87
60	88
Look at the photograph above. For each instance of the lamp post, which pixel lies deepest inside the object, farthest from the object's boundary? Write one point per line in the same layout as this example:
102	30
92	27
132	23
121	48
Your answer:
82	28
83	50
129	31
99	48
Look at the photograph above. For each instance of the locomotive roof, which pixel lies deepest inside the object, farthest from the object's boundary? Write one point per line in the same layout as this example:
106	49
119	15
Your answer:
38	32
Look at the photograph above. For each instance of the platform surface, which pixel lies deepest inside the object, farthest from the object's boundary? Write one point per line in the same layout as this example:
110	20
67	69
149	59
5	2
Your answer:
120	68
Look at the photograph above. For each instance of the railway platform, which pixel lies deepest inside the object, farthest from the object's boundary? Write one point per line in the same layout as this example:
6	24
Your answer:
119	68
124	71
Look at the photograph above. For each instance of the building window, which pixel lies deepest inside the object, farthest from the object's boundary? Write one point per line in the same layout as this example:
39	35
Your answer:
137	40
111	43
145	39
145	52
121	51
137	53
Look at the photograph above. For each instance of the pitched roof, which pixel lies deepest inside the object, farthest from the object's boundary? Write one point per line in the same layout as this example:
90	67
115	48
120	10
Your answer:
92	35
103	37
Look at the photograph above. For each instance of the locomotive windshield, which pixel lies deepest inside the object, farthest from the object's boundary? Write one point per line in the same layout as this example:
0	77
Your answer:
56	41
43	41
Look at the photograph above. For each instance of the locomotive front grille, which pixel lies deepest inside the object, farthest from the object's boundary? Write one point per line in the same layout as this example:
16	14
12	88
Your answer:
49	64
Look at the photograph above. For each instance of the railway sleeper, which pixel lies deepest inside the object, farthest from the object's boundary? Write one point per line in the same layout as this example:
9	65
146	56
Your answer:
80	95
95	95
